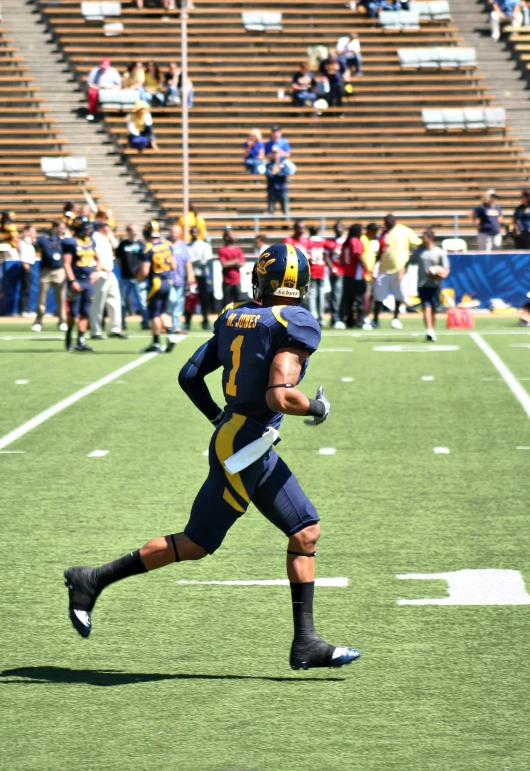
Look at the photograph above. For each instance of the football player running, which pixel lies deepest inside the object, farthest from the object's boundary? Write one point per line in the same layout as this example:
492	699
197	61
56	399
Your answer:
263	347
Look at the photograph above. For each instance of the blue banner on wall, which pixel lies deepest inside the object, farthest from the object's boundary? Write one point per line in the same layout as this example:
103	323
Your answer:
499	274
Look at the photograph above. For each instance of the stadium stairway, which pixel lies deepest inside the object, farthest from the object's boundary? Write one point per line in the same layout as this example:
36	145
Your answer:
123	191
502	71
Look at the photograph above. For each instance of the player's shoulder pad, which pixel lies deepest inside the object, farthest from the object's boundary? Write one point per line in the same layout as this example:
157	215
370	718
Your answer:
301	327
68	243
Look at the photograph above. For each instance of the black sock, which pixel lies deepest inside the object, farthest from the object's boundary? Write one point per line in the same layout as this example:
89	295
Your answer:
156	338
302	600
130	565
81	338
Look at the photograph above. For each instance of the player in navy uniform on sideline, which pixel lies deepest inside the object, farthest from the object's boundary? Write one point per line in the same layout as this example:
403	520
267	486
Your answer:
82	266
157	264
263	347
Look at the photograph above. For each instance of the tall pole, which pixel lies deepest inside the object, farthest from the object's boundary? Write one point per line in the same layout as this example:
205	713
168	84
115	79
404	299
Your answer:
185	136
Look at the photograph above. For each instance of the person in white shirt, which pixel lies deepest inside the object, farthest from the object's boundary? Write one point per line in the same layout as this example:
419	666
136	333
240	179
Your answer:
26	250
106	289
102	77
349	50
201	258
261	245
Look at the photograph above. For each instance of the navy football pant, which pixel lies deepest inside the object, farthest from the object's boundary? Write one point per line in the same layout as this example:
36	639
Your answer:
80	302
225	497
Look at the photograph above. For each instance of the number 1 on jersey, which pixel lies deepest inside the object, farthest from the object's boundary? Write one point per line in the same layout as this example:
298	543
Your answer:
231	388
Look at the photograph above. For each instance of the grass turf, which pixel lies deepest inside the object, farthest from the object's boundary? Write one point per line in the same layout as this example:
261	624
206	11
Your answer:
196	678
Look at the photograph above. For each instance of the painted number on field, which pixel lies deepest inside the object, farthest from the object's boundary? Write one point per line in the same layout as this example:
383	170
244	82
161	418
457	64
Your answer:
474	587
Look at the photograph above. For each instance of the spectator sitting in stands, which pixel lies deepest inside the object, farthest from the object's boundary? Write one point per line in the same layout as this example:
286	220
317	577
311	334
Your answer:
336	73
254	153
521	221
102	77
277	183
505	11
153	90
140	127
525	10
349	52
278	142
85	211
134	77
304	87
173	86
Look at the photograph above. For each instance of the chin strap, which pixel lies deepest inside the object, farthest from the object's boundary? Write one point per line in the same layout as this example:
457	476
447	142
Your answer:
302	554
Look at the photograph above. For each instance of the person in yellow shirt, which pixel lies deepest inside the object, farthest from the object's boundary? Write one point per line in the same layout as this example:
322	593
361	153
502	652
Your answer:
193	221
370	255
397	242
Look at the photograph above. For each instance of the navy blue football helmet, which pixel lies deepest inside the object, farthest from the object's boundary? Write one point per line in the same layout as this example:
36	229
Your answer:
82	227
281	271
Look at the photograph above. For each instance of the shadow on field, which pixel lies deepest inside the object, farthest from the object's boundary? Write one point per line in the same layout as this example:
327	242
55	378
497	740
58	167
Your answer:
110	677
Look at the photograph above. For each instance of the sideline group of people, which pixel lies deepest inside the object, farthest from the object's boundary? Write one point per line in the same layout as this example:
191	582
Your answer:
365	267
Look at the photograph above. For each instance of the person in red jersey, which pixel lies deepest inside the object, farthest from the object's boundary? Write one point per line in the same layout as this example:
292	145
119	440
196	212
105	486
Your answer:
232	259
299	239
318	248
355	272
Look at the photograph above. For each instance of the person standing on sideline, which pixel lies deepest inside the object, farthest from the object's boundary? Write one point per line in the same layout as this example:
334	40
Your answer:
521	221
317	247
82	266
26	250
201	259
487	218
193	220
355	272
371	251
106	289
433	267
156	265
52	275
183	273
261	244
128	257
336	274
299	239
232	259
396	242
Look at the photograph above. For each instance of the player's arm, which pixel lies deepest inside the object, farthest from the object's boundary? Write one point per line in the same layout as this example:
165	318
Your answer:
67	262
145	266
283	396
191	380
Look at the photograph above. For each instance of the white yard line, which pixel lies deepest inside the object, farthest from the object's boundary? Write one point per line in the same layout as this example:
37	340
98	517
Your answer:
509	378
12	436
98	453
441	450
339	581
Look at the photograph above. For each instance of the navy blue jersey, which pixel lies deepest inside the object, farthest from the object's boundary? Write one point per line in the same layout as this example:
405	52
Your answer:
160	258
83	251
247	337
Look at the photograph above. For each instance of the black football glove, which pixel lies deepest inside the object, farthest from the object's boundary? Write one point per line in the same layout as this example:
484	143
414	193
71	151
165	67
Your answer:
323	407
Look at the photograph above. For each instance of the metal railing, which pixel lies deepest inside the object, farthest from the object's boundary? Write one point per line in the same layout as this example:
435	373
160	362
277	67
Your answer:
365	216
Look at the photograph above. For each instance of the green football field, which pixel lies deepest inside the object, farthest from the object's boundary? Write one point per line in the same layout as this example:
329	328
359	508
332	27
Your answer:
426	473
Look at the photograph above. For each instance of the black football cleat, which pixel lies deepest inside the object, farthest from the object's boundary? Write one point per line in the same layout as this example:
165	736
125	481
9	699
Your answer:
315	652
83	348
153	348
82	596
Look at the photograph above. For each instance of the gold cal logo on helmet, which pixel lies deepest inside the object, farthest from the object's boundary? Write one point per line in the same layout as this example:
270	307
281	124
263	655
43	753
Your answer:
263	263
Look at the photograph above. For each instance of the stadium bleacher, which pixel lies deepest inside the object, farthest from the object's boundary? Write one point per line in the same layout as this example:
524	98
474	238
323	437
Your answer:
374	153
27	133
